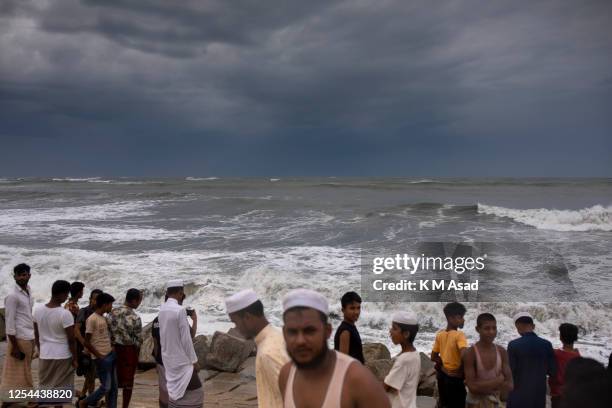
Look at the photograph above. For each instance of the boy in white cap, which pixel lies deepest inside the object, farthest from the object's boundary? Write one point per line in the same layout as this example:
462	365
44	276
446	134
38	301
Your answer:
246	311
402	381
179	357
318	376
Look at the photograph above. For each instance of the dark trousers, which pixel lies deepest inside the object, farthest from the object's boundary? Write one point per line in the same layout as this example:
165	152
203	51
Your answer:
452	391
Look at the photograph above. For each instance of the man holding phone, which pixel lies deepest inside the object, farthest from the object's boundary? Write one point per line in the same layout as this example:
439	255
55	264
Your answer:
17	372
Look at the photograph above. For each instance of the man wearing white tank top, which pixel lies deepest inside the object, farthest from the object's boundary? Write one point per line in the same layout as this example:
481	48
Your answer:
487	371
318	377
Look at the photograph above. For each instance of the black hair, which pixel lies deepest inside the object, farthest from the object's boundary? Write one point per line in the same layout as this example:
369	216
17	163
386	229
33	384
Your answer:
524	320
133	294
412	328
174	290
256	309
104	299
350	297
95	292
60	287
568	333
454	309
75	288
21	268
586	384
484	317
322	315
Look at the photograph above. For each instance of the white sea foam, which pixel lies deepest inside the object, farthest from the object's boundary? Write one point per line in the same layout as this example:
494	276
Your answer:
274	179
596	218
201	178
76	180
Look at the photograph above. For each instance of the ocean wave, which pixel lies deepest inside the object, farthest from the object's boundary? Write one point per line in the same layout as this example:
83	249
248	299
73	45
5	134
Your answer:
78	180
274	180
596	218
201	178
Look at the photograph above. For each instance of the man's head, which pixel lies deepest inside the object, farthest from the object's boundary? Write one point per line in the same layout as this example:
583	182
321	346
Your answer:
486	326
76	290
60	290
92	297
306	328
523	323
404	328
568	333
246	311
175	290
351	306
104	302
454	313
133	297
21	273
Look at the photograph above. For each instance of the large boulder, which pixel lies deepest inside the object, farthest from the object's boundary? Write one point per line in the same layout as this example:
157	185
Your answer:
227	352
145	358
236	333
375	351
427	381
2	325
202	347
380	368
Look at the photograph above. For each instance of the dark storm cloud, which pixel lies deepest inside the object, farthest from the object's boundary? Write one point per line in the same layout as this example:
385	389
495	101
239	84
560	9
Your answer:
307	87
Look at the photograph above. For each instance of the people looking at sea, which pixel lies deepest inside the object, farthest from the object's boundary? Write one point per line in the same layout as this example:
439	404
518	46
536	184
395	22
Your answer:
294	367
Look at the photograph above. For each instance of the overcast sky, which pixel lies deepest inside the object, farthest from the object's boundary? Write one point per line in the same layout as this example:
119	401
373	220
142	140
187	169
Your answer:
305	88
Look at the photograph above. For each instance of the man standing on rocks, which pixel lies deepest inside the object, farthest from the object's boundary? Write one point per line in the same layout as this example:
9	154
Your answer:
178	354
246	311
318	376
17	372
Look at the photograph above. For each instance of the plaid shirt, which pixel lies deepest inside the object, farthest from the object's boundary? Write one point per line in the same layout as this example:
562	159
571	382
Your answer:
72	307
125	326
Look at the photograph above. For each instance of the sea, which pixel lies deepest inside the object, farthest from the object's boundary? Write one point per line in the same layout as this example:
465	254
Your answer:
221	235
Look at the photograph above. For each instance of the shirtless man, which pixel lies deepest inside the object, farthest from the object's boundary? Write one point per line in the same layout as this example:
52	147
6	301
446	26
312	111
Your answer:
486	368
318	377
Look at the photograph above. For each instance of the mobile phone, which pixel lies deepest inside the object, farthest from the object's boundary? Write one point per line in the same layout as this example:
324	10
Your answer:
189	311
21	355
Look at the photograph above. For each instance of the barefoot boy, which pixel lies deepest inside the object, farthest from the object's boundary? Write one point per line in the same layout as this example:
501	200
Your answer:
402	381
347	339
447	352
486	367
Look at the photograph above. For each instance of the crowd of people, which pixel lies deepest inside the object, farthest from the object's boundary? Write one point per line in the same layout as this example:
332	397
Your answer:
294	366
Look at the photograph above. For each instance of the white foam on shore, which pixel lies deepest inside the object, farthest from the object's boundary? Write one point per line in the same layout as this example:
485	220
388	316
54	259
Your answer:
596	218
201	178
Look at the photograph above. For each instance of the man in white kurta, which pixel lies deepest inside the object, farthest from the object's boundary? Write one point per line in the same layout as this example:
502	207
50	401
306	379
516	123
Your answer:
177	349
246	311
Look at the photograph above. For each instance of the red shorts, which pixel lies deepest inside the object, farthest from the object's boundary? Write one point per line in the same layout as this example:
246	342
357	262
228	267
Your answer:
127	362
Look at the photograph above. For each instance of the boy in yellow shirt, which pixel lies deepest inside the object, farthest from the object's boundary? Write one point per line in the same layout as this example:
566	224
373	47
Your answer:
447	352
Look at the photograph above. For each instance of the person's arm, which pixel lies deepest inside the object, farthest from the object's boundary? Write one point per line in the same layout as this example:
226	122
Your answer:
508	384
36	336
345	341
366	390
186	342
552	361
194	327
394	380
77	333
435	354
269	367
10	316
72	344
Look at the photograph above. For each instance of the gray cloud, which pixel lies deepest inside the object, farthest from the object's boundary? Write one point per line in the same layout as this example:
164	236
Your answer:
309	87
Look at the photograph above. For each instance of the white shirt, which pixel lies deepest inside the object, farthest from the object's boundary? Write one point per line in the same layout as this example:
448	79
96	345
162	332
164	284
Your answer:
404	377
52	323
271	357
178	353
18	313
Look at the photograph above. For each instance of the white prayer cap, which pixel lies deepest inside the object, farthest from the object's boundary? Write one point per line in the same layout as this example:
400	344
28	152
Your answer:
240	300
521	314
305	298
405	318
175	283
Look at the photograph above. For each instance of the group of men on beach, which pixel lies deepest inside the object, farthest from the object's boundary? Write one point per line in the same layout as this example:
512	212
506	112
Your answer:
294	366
